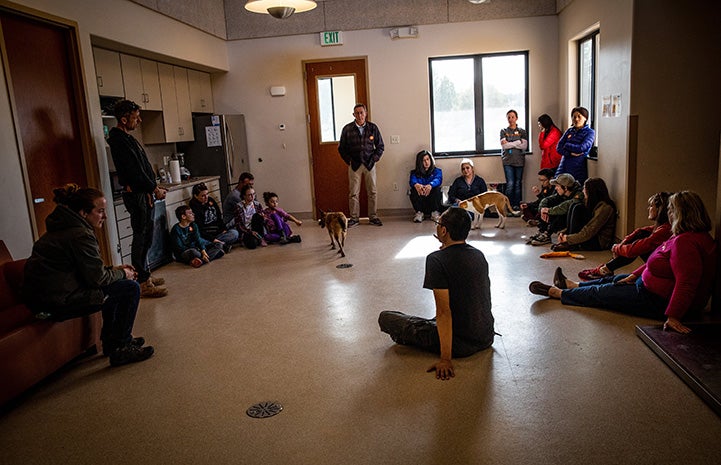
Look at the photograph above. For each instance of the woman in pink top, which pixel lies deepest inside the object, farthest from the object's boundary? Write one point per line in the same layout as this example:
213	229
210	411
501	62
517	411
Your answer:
675	281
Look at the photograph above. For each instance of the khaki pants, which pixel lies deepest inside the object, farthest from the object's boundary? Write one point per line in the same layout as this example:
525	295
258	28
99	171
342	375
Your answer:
354	180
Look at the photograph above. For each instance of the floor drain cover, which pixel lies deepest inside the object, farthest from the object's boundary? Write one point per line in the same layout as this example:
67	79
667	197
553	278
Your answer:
344	265
264	410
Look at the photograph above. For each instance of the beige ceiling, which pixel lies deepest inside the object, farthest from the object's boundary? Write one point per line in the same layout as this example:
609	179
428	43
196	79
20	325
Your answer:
229	20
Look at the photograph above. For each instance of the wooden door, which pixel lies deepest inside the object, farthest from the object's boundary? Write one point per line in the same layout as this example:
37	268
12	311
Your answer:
40	66
329	171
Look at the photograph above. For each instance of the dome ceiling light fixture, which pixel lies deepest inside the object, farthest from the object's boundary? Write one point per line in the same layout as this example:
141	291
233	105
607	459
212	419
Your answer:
280	9
478	2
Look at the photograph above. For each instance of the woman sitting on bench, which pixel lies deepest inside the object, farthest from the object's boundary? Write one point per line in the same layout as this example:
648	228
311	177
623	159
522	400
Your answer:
65	277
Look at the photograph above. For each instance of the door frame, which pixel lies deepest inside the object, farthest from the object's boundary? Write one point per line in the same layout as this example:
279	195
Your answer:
364	58
79	90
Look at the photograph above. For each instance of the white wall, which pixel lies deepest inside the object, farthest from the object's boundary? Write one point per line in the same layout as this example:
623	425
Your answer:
614	17
117	20
399	98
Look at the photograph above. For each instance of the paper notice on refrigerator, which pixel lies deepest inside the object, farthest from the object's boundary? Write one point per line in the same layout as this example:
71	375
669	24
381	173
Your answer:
212	136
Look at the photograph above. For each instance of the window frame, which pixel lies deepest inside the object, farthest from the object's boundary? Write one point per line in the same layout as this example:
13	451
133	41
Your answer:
593	36
478	103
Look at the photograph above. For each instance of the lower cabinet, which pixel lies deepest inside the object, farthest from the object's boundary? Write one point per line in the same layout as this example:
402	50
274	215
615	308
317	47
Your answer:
160	252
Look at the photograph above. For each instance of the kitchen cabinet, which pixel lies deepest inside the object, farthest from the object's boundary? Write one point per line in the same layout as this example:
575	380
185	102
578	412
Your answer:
108	72
159	253
125	231
175	123
201	93
140	82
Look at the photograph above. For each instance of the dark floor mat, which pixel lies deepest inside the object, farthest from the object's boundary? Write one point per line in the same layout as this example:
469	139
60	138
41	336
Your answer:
695	357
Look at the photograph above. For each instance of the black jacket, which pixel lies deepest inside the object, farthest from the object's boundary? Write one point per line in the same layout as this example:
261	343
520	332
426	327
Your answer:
131	162
65	267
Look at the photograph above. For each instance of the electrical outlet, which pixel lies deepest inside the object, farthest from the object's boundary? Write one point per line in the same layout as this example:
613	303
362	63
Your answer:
395	186
395	139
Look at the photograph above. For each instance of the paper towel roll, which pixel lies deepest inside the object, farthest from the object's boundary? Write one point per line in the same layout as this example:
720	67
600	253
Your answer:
175	170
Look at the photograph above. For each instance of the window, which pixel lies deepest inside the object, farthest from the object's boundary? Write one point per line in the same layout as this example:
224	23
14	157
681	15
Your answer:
334	93
587	53
470	96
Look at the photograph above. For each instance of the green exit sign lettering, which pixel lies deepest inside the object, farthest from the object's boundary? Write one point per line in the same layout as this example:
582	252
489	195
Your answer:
331	38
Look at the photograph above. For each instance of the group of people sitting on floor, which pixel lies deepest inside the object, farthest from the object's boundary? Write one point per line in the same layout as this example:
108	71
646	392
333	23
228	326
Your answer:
204	233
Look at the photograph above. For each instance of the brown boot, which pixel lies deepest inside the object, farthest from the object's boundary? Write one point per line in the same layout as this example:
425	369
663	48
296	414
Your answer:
148	289
157	281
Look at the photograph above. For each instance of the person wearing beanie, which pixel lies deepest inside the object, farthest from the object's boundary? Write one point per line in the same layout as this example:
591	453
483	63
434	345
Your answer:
467	184
575	145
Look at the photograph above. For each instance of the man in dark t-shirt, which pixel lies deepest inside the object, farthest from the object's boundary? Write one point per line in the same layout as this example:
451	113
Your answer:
458	276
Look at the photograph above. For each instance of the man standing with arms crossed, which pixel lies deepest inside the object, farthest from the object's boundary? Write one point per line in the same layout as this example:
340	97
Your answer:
361	147
139	187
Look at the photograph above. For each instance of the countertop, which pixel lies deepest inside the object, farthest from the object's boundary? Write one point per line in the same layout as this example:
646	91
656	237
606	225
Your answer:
174	186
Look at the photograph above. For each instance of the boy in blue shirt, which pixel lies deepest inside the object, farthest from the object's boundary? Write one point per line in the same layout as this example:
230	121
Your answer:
188	246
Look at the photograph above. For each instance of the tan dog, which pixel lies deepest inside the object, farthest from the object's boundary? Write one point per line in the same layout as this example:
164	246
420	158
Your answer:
337	225
478	204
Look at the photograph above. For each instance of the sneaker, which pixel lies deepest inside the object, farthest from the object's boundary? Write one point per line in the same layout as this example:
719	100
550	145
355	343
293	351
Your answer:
435	216
147	289
295	238
418	218
130	354
353	222
376	221
541	239
136	341
593	273
157	281
532	223
538	288
196	262
227	248
559	279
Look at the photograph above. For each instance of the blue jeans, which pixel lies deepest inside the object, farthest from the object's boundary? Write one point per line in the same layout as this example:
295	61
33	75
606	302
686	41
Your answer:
632	299
229	237
514	181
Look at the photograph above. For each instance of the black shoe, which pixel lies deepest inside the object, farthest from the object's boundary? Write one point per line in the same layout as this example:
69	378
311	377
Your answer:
375	221
294	239
353	222
136	341
538	288
227	248
130	354
559	279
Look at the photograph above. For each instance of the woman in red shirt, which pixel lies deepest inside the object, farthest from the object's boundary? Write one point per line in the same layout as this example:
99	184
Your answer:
674	282
548	140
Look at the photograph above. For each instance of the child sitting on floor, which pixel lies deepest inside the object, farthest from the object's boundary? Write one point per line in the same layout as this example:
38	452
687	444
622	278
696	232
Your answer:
188	246
276	221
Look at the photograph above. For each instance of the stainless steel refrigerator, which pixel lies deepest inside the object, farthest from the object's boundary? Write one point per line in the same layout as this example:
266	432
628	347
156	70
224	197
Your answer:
220	149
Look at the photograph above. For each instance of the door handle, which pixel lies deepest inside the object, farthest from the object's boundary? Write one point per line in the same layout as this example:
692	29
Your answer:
39	200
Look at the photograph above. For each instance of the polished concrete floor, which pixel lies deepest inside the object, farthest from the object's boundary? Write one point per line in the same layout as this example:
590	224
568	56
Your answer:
561	386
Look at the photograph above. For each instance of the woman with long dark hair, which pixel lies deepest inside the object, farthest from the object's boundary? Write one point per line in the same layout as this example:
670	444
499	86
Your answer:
548	138
65	276
425	181
590	225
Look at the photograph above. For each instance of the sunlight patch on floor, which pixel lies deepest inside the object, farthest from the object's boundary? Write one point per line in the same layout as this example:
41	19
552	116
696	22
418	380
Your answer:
423	245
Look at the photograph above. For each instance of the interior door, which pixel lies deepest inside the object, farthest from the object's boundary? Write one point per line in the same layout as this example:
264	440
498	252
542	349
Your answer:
40	76
332	89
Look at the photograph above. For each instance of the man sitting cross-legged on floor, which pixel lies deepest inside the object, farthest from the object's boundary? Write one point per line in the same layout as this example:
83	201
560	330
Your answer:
458	276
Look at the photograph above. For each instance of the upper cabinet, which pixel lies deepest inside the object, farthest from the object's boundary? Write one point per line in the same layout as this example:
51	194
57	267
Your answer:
201	94
140	82
177	120
108	72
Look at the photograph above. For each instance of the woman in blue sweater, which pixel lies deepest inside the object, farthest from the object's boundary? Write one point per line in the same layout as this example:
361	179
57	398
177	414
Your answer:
575	145
425	182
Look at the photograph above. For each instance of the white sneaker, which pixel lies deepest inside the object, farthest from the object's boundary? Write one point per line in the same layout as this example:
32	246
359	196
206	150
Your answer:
435	216
418	218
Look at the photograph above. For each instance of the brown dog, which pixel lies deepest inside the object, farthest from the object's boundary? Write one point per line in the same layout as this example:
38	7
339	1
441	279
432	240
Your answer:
337	225
480	202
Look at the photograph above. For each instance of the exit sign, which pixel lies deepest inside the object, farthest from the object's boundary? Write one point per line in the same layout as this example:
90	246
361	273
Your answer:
331	38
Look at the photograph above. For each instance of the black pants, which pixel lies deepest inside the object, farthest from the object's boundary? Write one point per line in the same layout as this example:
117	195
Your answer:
251	239
619	262
422	333
429	203
140	207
